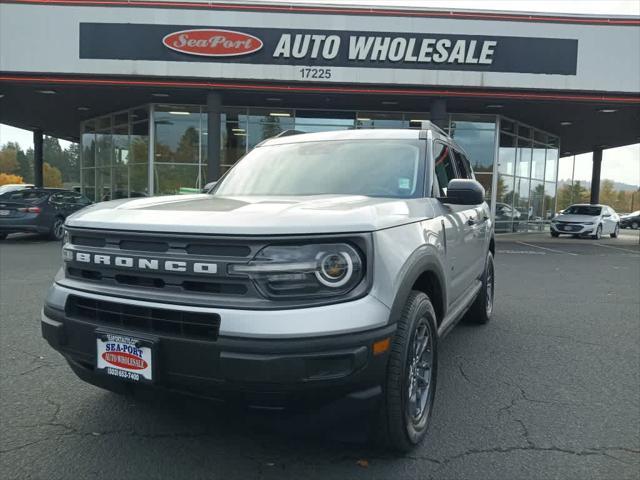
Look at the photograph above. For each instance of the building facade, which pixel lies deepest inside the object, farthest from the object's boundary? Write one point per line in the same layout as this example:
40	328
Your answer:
165	96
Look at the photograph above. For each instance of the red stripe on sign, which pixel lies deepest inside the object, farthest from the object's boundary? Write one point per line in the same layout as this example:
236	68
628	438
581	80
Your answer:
517	95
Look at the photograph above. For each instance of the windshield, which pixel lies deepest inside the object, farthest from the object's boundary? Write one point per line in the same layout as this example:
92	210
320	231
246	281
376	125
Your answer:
377	168
583	210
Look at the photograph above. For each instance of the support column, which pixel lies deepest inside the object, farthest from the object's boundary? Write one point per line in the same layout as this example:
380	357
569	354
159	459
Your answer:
38	159
439	114
595	175
214	109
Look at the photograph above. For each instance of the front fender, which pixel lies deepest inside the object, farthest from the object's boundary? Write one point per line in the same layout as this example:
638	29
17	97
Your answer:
424	259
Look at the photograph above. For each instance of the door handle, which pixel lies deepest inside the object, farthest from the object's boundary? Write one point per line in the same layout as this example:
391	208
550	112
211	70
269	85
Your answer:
471	221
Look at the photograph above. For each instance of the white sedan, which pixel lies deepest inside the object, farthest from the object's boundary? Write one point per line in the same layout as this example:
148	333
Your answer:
586	219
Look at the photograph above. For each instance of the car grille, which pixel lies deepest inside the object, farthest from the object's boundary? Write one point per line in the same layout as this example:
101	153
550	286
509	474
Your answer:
569	227
154	320
190	248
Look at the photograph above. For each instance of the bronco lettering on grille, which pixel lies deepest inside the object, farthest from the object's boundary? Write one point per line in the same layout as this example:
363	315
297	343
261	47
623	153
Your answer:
141	263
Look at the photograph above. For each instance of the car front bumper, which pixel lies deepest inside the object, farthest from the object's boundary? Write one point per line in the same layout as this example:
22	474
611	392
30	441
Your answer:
573	229
264	372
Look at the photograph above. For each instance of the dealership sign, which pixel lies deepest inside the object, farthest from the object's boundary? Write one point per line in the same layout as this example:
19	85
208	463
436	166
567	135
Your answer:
329	48
212	43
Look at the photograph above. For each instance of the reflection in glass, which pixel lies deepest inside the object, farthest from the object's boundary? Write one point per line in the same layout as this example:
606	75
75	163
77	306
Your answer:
507	154
552	162
486	180
549	200
177	136
523	165
521	201
507	218
379	120
478	140
172	179
536	200
537	161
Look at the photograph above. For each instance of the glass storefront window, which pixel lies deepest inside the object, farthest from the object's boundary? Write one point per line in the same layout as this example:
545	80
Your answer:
507	154
177	134
477	138
552	164
538	161
549	200
486	180
172	179
379	120
523	165
115	151
88	142
536	202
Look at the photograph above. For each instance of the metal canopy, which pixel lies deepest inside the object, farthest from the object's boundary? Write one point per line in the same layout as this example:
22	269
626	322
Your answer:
581	121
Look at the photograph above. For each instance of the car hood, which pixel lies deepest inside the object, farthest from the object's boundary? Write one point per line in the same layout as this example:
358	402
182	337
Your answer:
203	213
577	218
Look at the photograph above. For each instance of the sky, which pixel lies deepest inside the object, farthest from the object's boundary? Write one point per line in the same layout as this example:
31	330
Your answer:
619	164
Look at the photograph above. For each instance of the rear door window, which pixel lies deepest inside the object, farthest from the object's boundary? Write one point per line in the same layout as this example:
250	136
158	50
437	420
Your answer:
27	196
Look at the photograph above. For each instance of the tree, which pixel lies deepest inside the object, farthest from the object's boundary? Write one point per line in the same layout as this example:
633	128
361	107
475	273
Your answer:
7	178
52	176
8	158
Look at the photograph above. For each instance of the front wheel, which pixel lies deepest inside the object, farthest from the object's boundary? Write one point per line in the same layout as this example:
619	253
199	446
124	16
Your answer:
482	308
411	376
57	229
616	231
555	235
3	236
598	234
635	225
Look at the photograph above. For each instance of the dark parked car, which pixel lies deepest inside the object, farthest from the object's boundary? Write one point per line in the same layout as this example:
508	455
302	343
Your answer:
630	220
38	210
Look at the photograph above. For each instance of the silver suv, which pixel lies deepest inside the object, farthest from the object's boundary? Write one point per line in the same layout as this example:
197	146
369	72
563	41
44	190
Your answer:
322	266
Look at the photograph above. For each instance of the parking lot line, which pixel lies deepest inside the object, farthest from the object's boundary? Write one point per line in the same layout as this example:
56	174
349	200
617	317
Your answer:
545	248
618	248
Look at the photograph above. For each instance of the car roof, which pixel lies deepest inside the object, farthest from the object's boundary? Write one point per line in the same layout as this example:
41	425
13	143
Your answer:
588	205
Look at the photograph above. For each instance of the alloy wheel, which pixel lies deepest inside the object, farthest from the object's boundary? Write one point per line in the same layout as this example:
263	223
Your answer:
58	229
489	288
419	373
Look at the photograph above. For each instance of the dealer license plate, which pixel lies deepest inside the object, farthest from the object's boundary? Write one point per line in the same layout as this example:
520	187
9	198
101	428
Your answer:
125	357
4	213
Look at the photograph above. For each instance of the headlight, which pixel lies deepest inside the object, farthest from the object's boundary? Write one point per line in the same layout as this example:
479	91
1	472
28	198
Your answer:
294	271
554	221
65	237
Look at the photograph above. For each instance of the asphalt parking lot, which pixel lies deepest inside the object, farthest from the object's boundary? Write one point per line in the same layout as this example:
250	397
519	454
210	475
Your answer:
549	389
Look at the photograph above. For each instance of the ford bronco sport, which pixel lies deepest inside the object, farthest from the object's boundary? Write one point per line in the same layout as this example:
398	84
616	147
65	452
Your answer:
322	266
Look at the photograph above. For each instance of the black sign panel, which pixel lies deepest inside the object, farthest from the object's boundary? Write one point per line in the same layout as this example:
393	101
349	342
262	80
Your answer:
328	48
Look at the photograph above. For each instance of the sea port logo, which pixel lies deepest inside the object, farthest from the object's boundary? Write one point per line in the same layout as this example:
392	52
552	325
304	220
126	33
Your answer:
209	42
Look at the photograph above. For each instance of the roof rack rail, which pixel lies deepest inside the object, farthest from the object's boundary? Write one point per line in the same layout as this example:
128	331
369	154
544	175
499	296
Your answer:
429	125
288	133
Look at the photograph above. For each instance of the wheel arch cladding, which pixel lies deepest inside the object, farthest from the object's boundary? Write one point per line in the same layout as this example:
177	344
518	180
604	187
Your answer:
423	272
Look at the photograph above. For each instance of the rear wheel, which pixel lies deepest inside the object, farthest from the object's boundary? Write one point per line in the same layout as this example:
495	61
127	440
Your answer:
635	225
57	229
3	236
616	231
411	376
555	235
598	234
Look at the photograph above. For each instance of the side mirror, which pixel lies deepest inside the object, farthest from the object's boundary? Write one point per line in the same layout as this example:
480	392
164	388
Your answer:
464	192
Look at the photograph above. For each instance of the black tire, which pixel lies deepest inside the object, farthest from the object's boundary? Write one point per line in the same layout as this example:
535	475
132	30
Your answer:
598	234
555	235
57	229
635	225
616	231
481	310
399	429
3	236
